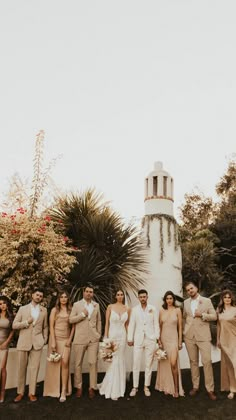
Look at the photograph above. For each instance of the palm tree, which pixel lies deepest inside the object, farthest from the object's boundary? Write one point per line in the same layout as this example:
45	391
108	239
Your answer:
111	254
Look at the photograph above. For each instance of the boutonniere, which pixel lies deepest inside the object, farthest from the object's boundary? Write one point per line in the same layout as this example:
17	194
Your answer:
150	311
94	304
200	302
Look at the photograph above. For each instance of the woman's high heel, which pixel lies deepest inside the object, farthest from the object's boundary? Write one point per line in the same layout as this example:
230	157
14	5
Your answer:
62	397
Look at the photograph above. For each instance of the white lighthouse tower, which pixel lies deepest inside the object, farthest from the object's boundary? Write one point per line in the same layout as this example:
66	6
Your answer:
160	231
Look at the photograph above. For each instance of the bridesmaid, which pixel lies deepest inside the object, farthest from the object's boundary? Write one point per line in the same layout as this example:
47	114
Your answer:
6	334
168	373
226	341
61	334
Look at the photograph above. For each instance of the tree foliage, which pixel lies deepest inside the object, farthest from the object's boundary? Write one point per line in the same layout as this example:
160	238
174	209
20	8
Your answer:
112	254
208	236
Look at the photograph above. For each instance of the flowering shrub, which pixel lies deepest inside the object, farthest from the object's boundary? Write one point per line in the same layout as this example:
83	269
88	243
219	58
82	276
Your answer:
32	254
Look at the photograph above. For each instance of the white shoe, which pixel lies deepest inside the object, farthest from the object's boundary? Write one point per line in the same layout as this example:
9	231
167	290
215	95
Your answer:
62	398
147	392
133	392
230	395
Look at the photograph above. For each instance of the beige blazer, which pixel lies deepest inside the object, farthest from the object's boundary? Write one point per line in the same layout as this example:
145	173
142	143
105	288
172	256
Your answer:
86	330
31	336
198	327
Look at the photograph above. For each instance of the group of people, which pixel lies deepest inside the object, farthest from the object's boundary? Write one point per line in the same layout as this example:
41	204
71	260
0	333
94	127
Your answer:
140	327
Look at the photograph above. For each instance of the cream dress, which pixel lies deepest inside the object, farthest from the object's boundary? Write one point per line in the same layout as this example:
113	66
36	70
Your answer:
113	385
227	321
4	333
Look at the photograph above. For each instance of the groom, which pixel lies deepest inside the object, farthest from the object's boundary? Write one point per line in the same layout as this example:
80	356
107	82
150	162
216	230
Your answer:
143	333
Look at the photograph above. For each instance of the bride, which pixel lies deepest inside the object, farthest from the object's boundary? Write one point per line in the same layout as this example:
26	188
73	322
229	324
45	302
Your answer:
117	318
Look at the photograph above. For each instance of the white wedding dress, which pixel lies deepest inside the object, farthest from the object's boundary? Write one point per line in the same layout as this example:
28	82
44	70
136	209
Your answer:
113	384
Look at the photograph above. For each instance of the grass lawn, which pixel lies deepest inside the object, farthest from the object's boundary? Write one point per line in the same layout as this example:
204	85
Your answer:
158	406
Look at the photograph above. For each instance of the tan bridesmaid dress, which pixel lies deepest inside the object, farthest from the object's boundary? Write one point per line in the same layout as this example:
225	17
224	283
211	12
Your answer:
169	339
4	333
227	320
52	381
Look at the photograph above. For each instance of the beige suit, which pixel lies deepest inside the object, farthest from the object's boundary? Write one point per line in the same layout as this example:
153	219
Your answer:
197	337
30	343
87	336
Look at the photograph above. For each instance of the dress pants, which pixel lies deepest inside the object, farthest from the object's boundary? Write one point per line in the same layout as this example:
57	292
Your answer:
148	346
204	347
92	352
32	360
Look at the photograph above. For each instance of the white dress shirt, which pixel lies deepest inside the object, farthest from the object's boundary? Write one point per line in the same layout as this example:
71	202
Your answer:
89	307
194	304
35	309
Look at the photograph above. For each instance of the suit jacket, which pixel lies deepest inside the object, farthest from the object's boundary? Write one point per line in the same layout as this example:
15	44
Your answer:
138	328
86	330
31	336
198	327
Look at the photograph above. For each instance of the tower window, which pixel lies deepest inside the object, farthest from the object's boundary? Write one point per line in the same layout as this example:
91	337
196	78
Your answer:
165	186
155	185
146	187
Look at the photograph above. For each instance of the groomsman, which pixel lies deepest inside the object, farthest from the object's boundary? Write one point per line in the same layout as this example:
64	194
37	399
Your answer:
86	316
143	333
198	312
32	322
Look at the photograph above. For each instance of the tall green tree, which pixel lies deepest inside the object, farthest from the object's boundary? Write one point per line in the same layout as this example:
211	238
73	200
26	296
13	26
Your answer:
224	225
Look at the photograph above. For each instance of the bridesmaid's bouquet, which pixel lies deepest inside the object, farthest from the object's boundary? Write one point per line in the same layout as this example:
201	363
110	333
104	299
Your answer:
107	350
160	354
54	357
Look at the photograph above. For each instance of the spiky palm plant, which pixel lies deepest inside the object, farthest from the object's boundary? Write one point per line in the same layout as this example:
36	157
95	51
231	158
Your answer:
112	254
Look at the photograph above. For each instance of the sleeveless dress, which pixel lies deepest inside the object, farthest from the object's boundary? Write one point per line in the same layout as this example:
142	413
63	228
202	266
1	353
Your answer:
227	321
113	385
4	333
169	339
52	381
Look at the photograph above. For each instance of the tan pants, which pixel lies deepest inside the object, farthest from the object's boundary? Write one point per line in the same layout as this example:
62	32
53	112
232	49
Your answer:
92	353
193	349
148	346
32	360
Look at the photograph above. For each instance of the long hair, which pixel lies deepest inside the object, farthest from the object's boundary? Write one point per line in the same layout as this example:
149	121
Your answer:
221	305
119	290
58	304
168	293
9	311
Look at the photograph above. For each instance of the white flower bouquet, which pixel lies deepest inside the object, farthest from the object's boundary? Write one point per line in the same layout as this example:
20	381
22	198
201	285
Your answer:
107	350
160	354
54	357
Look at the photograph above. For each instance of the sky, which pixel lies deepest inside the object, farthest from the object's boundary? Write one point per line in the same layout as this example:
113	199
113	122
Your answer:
118	85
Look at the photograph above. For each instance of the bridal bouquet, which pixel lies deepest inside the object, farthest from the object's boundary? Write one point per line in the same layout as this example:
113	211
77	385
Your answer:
107	350
160	354
54	357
